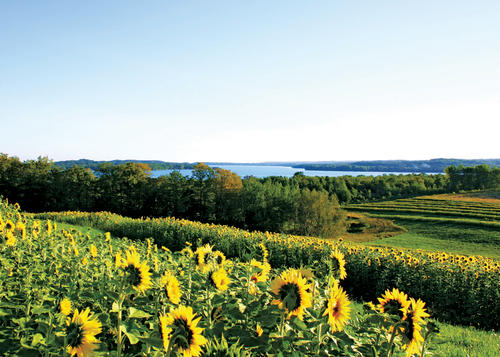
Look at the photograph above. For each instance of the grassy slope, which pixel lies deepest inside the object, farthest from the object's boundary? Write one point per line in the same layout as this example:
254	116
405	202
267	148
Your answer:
445	237
451	341
449	236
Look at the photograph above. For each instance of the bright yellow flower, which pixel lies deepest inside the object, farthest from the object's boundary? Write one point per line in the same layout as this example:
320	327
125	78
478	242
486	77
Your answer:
412	338
93	251
138	274
172	287
220	279
80	333
179	328
11	239
258	330
292	293
65	306
119	262
338	309
261	275
394	302
338	264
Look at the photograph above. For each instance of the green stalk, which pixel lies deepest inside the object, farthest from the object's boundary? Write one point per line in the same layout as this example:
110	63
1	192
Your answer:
119	331
319	337
282	324
391	341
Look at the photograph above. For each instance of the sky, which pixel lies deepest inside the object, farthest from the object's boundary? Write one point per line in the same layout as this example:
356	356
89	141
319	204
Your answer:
250	81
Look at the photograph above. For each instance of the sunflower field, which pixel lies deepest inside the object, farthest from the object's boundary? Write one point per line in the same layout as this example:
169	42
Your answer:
458	289
81	292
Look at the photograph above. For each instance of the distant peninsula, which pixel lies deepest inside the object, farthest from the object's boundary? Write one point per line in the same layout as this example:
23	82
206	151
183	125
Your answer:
433	165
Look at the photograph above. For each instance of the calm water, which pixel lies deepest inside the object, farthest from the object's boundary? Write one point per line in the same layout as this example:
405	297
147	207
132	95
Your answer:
264	171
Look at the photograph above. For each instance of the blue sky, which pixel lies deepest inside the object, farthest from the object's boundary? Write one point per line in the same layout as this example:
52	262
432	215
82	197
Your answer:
250	81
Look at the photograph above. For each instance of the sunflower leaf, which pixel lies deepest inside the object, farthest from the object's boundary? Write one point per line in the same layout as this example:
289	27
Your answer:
134	313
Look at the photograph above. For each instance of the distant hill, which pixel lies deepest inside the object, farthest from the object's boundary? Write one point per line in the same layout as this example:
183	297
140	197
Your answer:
433	165
154	164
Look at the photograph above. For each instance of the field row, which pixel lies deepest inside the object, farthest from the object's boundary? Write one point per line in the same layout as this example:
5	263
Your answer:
425	211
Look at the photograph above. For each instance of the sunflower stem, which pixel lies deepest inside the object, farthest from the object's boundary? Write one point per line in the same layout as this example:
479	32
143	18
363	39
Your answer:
391	341
282	325
319	337
169	348
119	329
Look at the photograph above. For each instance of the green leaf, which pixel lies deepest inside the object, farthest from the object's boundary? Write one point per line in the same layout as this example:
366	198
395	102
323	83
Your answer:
299	324
152	341
134	313
37	339
133	335
38	310
114	307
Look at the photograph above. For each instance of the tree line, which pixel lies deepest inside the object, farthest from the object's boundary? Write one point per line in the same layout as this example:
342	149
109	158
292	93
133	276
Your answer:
433	165
299	204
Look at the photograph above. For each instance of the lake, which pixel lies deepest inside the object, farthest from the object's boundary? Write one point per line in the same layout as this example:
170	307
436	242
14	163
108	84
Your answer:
286	171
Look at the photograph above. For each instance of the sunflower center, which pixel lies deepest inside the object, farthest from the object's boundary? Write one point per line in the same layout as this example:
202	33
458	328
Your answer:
409	330
394	307
335	308
74	333
335	264
290	295
133	275
182	333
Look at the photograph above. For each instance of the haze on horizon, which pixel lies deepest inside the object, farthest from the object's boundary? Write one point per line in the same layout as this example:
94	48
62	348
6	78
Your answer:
260	81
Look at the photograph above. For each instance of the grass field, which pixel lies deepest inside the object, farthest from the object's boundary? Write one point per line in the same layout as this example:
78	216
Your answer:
467	224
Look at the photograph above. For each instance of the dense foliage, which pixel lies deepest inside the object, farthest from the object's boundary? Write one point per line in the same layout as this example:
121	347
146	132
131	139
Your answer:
153	164
67	292
459	289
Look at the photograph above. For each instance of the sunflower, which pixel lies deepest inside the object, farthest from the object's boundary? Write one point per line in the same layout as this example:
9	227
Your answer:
411	333
202	261
220	279
11	239
49	228
93	251
80	333
265	253
172	287
219	257
65	306
263	273
21	228
291	290
180	333
338	309
258	330
9	225
394	302
119	260
138	274
337	264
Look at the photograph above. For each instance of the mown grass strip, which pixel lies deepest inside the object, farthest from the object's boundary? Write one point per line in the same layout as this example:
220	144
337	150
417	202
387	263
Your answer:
426	212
